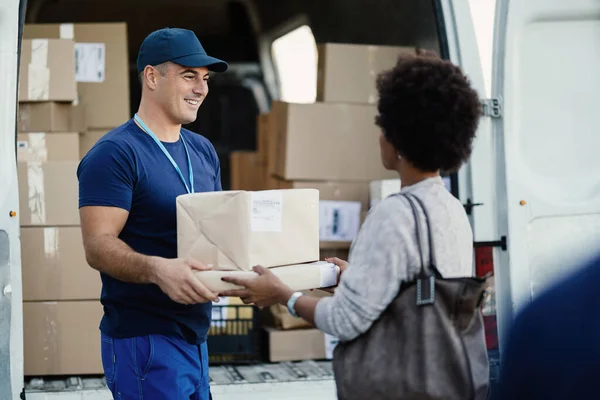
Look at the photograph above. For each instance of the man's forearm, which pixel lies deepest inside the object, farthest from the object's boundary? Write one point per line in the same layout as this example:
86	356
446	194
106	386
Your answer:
113	257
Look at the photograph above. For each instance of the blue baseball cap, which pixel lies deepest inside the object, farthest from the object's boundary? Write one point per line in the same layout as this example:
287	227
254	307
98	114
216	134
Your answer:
180	46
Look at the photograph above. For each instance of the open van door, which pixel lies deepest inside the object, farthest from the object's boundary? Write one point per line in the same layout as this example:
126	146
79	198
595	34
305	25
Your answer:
546	140
12	13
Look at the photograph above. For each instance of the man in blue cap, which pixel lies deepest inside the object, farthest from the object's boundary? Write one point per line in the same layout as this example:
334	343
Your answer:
156	312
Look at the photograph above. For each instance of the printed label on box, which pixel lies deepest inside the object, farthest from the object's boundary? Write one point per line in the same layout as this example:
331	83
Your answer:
90	62
267	208
339	220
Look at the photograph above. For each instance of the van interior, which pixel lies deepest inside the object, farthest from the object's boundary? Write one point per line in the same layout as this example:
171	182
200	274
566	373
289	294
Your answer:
253	36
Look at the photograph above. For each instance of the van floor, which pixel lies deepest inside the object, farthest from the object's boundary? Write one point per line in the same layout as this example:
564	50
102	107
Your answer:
290	380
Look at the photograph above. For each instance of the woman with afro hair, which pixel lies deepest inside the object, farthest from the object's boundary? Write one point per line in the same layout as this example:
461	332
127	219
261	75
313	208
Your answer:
428	114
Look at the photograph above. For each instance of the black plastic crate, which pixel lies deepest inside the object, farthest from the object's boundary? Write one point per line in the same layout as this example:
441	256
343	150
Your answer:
234	337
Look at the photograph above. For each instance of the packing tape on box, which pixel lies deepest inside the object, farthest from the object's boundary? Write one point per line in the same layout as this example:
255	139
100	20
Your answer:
66	31
51	242
38	71
371	57
36	193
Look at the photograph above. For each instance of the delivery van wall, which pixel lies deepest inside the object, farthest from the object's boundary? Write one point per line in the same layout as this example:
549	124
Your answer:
381	22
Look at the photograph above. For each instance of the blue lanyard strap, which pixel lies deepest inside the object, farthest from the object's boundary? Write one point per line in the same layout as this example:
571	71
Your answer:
164	150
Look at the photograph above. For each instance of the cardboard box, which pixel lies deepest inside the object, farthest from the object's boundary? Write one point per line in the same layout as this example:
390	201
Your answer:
282	319
236	230
248	171
347	73
341	253
48	193
299	345
88	139
382	189
341	205
333	190
326	141
47	70
51	117
54	266
102	67
262	137
48	147
62	338
305	276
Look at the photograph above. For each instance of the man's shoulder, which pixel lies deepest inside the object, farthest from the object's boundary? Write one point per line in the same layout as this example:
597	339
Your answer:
197	139
124	133
565	303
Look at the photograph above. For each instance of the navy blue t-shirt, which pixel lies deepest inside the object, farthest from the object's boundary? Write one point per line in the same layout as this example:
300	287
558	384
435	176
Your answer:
553	350
127	169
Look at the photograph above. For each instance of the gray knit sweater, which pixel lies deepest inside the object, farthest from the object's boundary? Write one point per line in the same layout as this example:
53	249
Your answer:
385	253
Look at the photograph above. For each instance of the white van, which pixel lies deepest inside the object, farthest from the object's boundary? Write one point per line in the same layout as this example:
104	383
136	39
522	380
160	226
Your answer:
532	186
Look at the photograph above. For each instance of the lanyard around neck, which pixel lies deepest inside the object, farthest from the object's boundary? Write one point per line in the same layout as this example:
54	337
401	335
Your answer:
164	150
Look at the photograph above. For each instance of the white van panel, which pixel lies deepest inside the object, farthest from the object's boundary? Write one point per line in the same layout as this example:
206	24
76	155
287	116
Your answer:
11	318
546	63
476	179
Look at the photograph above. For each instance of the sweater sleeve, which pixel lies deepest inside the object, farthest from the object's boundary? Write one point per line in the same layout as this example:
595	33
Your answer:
376	268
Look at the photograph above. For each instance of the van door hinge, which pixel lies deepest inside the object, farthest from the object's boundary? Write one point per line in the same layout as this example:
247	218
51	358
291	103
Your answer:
491	107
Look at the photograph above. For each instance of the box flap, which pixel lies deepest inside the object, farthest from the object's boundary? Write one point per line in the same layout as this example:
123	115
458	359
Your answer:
200	230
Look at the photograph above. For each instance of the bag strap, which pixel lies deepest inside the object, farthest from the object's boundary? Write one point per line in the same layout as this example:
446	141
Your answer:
418	225
429	231
413	200
426	281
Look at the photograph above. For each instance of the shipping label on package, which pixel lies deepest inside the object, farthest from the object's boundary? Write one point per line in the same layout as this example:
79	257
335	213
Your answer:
90	62
266	211
339	221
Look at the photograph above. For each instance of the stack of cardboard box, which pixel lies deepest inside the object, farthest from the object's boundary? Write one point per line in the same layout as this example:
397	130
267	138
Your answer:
102	72
330	145
73	80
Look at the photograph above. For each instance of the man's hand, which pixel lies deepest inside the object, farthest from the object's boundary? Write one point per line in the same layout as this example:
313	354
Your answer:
264	290
176	278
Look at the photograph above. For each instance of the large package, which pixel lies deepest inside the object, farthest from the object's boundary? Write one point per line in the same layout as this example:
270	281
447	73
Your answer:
51	117
48	193
62	338
54	265
47	71
236	230
48	147
347	73
325	142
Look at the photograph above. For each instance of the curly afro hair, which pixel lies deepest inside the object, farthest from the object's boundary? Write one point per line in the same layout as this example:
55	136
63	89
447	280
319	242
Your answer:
428	111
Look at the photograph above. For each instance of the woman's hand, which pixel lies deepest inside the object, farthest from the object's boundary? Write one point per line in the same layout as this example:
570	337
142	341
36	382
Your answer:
339	262
342	264
264	290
